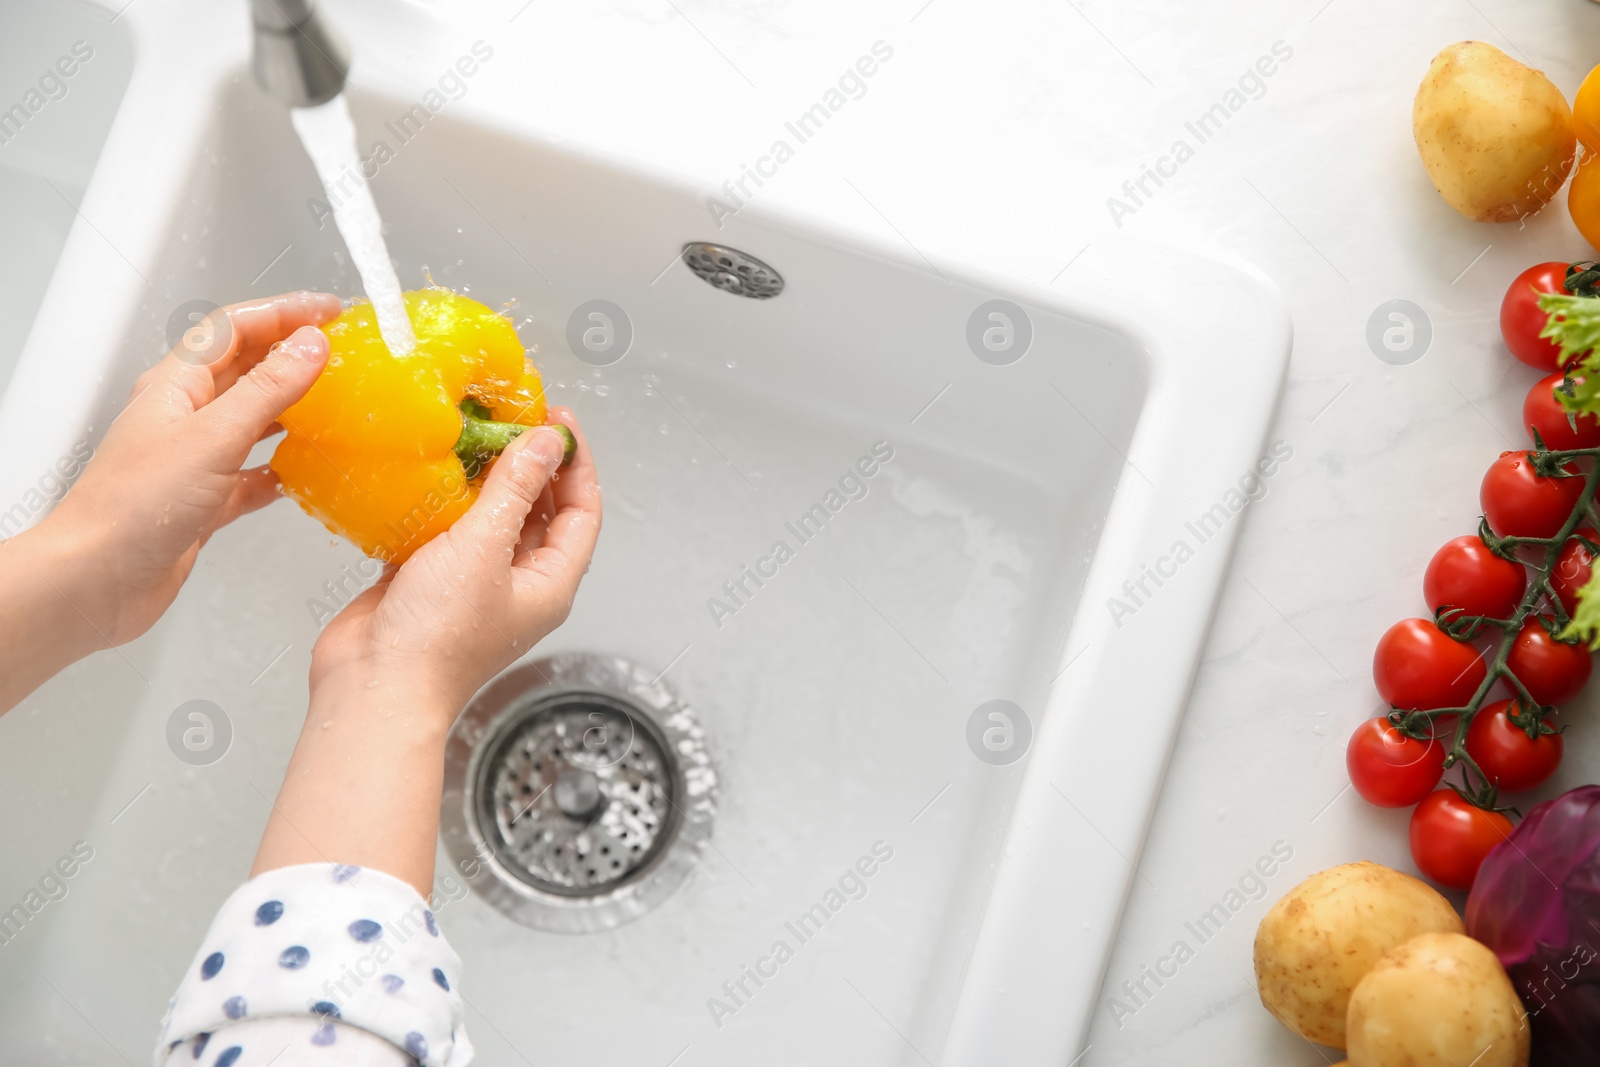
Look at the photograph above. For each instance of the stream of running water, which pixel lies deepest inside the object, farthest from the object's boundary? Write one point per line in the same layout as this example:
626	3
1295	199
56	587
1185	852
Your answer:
329	137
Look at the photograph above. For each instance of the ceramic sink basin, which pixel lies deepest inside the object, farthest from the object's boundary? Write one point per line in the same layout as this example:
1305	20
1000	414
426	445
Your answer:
1008	505
63	69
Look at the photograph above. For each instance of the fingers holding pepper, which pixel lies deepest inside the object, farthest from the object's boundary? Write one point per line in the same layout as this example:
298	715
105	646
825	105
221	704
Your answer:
390	451
220	349
167	474
538	515
511	491
237	418
470	601
565	541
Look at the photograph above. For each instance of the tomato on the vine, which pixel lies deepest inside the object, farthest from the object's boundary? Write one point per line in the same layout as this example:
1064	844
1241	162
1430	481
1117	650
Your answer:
1450	837
1553	671
1519	502
1503	750
1573	567
1418	666
1521	319
1465	574
1541	411
1390	769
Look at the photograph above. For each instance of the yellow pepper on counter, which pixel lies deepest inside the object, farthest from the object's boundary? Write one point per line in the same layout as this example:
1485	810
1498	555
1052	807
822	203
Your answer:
1583	197
388	451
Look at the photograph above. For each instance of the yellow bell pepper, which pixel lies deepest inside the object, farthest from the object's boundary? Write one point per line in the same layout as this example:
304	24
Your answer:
388	451
1583	196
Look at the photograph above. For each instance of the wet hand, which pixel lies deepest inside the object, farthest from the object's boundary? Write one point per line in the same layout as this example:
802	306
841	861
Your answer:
474	599
170	471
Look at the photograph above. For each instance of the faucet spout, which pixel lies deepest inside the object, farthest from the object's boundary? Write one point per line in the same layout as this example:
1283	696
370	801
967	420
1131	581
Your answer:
298	58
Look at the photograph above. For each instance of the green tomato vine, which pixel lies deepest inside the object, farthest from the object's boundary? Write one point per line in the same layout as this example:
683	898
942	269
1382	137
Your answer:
1540	554
1574	324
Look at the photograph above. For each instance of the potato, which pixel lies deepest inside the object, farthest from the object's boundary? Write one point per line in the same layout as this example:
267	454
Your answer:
1439	1000
1326	933
1496	136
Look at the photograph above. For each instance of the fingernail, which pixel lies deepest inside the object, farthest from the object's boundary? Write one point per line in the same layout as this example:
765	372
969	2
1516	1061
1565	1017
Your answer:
549	446
308	343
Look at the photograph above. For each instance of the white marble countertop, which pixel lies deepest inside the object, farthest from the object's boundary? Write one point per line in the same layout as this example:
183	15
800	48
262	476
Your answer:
995	137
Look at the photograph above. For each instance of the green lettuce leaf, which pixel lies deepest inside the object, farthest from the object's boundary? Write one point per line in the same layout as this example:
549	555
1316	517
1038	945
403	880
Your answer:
1585	624
1575	326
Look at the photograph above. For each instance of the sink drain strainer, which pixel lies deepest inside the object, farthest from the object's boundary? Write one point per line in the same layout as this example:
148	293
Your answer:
738	272
579	791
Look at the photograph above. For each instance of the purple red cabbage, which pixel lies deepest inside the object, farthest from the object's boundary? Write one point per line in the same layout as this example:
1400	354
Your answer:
1536	903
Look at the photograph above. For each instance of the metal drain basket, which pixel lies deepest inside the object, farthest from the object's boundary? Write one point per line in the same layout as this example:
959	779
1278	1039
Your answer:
579	793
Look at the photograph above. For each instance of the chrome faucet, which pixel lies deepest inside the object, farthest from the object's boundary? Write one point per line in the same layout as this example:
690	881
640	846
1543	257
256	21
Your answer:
298	58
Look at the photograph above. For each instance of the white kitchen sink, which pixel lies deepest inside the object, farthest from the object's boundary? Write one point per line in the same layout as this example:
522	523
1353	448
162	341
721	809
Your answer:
63	69
978	566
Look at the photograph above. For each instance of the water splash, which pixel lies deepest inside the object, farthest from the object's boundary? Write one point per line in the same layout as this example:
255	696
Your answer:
329	136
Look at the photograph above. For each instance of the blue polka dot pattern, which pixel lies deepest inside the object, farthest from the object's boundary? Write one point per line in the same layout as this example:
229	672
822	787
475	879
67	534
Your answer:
322	925
230	1056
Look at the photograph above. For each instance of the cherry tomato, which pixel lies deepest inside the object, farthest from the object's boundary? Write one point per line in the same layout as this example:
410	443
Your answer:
1572	569
1553	671
1520	503
1541	411
1521	320
1450	837
1465	574
1504	751
1390	769
1419	667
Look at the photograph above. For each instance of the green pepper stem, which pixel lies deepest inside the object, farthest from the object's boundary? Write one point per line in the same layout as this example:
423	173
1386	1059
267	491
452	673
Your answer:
482	440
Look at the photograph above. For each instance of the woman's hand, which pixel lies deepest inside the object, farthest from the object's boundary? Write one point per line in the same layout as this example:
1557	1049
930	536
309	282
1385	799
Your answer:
390	673
104	565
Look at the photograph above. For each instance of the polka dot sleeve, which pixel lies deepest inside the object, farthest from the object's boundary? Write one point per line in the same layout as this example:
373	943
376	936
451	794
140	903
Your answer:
286	1041
327	944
